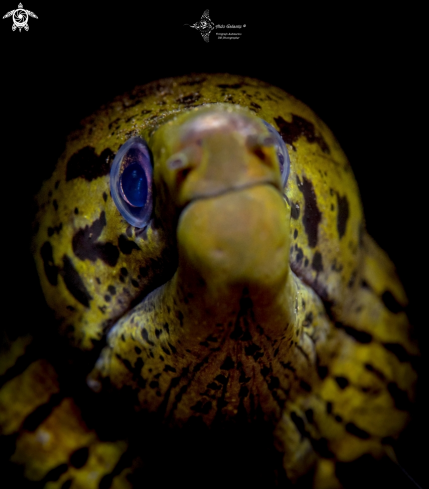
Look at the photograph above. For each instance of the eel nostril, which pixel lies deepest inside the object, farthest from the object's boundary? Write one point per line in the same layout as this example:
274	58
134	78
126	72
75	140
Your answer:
257	141
178	162
268	141
180	165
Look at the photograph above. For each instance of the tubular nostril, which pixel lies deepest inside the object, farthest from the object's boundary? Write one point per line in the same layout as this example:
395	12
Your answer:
178	162
268	141
257	141
180	166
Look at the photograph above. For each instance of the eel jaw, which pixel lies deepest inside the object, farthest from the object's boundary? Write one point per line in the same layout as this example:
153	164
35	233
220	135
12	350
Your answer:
234	244
219	192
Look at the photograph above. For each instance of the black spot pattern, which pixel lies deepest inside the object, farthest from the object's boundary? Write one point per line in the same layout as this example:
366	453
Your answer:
55	473
294	210
74	283
39	415
376	372
360	336
319	445
299	423
228	364
356	431
79	457
86	164
231	85
51	270
317	263
86	246
343	214
299	254
312	214
308	320
342	382
55	229
401	353
322	371
390	302
126	246
188	99
292	131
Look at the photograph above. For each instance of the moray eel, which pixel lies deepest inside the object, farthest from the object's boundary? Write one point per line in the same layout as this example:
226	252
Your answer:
202	244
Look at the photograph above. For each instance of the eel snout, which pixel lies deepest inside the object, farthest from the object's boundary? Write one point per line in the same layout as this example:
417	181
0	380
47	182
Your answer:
210	151
218	179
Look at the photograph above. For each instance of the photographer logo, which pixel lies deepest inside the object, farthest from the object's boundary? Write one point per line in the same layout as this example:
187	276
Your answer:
20	18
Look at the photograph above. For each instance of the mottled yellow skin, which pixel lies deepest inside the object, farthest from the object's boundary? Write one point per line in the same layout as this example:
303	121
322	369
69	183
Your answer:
240	296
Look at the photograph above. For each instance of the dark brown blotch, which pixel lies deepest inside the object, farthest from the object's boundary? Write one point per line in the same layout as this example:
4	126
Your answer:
317	262
126	246
294	210
51	270
86	164
188	99
359	336
342	382
312	215
74	282
343	214
86	247
300	127
230	85
390	301
356	431
228	364
79	457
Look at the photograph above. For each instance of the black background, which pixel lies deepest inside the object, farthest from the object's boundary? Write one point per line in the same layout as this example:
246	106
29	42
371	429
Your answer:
361	71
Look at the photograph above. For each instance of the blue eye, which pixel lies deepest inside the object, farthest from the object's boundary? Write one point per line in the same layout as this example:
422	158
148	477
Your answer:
131	182
282	153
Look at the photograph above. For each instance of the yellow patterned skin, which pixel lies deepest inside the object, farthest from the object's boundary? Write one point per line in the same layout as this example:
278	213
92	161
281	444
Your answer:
240	299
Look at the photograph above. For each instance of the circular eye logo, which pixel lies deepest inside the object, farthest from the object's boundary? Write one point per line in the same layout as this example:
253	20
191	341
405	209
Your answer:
20	17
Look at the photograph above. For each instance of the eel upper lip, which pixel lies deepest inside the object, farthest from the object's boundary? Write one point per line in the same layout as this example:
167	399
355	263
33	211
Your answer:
228	190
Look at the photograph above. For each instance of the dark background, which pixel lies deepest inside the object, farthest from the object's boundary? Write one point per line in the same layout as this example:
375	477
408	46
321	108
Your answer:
361	71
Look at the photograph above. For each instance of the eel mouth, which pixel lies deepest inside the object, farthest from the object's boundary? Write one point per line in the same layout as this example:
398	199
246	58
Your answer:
199	196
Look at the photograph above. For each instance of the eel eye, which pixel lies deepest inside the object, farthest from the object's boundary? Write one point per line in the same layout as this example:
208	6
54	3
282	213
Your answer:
282	153
131	182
